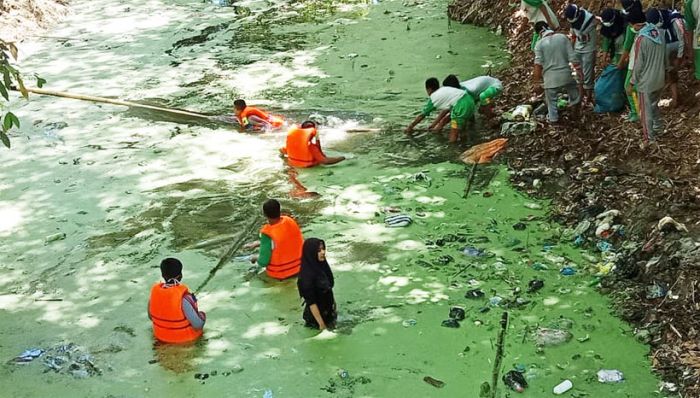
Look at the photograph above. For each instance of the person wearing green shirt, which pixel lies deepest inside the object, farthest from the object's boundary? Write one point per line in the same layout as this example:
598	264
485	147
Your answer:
613	34
692	16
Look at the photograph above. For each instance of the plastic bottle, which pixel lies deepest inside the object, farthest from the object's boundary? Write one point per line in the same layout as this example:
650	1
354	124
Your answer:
563	387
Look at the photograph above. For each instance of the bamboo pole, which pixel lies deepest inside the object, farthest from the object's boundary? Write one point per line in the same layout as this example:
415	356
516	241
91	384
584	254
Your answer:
103	100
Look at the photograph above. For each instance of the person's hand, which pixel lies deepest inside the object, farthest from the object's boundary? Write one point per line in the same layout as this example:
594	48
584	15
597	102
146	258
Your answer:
606	58
203	315
254	258
251	245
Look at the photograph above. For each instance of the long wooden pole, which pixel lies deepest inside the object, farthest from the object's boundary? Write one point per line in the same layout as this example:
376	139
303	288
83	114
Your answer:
115	102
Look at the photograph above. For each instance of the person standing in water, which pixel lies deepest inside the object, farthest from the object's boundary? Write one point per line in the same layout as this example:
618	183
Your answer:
173	309
315	286
280	243
303	147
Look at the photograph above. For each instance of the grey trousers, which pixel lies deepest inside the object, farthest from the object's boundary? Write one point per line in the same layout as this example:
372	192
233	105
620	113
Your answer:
550	97
587	61
649	114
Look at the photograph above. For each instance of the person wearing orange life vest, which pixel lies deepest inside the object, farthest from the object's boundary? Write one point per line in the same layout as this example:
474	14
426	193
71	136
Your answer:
280	243
253	118
303	147
173	309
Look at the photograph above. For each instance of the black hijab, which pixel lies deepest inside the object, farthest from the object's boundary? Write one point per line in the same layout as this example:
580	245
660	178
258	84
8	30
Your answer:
314	273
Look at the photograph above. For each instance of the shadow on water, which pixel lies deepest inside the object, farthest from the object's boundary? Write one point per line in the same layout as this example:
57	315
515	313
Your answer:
178	358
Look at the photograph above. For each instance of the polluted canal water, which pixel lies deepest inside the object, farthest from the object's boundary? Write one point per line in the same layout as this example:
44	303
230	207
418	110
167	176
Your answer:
124	189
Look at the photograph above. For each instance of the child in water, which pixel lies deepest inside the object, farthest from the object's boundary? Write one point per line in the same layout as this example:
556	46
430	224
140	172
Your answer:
251	118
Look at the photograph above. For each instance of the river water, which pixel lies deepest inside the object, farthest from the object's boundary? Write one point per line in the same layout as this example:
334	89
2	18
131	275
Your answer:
129	188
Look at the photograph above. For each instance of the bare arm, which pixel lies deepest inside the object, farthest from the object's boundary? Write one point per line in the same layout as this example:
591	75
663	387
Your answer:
414	123
438	120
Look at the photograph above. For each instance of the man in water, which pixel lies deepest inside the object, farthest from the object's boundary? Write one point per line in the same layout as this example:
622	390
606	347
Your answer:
553	54
280	243
303	147
251	118
173	309
455	106
585	36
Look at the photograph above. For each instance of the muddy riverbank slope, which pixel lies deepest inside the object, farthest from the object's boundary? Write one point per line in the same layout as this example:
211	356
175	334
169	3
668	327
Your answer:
595	165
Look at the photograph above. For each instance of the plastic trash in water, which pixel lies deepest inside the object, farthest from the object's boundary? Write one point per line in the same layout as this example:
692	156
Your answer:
457	313
28	355
267	394
515	381
474	294
610	376
535	285
398	221
579	240
473	252
495	301
343	374
450	323
55	237
567	271
552	337
409	322
539	267
533	206
563	387
519	226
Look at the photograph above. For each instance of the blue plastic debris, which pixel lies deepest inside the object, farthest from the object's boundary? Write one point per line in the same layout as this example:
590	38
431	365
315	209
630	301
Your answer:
604	246
567	271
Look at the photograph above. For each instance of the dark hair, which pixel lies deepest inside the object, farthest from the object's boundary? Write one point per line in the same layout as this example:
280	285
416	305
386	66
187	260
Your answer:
271	208
308	125
636	16
170	268
239	104
451	81
540	27
432	83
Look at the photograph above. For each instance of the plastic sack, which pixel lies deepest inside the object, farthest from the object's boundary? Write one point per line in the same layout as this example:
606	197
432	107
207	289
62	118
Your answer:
610	90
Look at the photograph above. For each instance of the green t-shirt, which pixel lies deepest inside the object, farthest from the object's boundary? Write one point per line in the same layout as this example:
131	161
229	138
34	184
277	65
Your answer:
630	35
428	108
265	250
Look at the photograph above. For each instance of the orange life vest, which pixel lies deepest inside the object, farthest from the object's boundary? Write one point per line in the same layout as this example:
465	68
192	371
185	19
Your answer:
298	147
275	121
286	252
169	322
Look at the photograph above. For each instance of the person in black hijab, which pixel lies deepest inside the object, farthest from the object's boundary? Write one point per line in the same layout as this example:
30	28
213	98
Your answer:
315	285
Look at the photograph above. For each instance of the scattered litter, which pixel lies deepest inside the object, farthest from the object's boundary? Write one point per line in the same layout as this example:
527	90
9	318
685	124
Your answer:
519	226
533	206
495	301
69	359
473	251
584	338
655	291
610	376
409	322
552	337
457	313
55	237
563	387
434	382
668	224
515	380
535	285
604	246
267	394
582	228
539	267
517	128
450	323
201	376
567	271
28	355
666	386
343	374
397	221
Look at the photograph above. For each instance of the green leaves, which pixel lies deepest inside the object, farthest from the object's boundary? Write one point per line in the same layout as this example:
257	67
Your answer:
9	121
39	81
5	139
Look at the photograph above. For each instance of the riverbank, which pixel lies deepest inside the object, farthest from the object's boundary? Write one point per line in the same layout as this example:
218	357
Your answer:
20	18
596	165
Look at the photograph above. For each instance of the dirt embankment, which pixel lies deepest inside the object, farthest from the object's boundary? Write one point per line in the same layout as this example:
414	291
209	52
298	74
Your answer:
596	164
21	18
